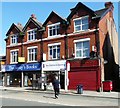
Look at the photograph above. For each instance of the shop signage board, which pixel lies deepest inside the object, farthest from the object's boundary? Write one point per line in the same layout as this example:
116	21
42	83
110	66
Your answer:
54	65
23	67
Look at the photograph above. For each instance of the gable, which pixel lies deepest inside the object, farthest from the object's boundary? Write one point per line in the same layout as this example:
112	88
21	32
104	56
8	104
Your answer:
80	10
32	23
53	18
13	29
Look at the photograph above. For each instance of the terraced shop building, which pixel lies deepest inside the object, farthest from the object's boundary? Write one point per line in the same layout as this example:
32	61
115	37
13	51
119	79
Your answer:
79	49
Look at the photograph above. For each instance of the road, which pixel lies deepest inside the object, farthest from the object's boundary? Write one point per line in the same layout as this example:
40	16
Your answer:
19	102
44	99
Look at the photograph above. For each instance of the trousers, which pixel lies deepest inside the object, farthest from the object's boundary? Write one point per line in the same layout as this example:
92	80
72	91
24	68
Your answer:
56	90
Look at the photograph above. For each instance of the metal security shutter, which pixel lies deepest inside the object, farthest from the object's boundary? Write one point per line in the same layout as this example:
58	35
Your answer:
87	78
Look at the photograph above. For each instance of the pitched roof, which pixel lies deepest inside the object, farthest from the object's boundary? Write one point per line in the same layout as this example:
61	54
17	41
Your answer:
35	21
19	27
73	10
51	14
2	58
101	11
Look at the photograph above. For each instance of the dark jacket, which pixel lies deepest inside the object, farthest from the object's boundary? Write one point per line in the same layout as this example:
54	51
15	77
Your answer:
56	83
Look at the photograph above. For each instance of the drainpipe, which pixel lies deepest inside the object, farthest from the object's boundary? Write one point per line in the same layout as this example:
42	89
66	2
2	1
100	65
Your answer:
41	31
98	53
66	40
22	55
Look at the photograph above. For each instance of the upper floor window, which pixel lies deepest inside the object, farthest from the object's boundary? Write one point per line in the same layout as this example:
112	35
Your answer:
81	24
82	48
32	34
53	29
54	51
32	54
14	56
14	39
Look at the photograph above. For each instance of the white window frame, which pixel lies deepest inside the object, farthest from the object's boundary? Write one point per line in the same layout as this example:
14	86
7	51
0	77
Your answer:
51	25
34	34
80	18
15	50
51	45
81	40
15	38
28	48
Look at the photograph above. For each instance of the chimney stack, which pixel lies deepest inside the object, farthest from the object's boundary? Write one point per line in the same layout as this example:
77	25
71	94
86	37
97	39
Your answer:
33	16
108	4
19	24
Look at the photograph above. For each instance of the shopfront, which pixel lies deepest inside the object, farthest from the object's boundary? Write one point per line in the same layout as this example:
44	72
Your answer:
22	74
55	68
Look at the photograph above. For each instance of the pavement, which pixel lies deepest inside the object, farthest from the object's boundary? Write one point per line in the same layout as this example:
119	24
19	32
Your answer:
115	95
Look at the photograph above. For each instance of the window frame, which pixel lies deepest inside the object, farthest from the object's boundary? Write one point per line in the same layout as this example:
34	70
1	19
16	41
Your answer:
80	18
11	56
35	53
52	25
56	48
15	39
82	40
35	33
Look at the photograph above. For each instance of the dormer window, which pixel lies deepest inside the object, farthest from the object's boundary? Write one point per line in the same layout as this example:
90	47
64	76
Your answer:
32	34
53	29
14	39
81	24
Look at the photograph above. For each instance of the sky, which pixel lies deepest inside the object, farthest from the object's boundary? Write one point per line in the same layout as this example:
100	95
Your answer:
14	12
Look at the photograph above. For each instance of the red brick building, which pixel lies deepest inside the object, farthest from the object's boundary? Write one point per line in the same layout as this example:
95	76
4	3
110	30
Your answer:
78	49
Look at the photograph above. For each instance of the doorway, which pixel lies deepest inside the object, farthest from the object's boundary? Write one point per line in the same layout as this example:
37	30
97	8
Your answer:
62	80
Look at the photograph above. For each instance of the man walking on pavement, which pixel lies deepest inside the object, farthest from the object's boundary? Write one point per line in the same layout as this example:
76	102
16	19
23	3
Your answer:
56	86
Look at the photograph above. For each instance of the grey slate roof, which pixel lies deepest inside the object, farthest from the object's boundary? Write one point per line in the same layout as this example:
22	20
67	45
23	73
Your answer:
20	27
101	12
40	24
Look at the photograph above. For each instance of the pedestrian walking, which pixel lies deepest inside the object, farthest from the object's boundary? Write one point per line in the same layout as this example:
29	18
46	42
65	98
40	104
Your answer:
56	86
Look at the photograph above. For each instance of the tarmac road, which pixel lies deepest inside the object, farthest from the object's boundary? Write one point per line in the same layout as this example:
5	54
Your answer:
41	99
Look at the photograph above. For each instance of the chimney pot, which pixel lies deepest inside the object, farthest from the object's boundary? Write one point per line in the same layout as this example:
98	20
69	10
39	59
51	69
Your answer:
19	24
108	4
33	16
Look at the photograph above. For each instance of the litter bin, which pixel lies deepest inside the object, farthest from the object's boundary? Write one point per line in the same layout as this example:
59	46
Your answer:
80	89
107	85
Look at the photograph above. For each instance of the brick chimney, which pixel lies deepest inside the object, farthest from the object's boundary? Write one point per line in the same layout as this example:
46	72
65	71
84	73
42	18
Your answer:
108	4
33	16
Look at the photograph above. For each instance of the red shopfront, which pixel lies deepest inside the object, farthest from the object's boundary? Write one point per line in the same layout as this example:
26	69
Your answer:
85	72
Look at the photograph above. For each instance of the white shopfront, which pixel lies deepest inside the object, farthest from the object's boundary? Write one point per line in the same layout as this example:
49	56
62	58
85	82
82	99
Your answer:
58	68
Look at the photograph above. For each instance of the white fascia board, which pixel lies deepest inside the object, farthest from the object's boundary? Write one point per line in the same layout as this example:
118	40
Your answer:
53	44
81	40
50	25
32	47
14	50
80	18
